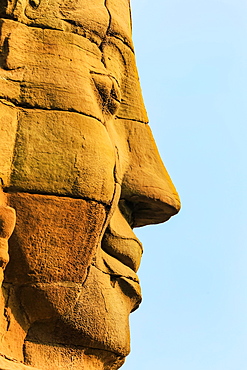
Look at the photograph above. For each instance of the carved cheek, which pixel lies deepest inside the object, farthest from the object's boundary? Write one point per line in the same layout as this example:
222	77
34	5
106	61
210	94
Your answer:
55	238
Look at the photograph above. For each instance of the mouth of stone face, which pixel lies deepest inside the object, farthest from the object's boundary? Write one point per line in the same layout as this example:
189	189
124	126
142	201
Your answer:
121	255
119	240
122	276
126	250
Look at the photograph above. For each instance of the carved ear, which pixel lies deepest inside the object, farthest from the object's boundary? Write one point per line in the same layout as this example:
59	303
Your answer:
7	224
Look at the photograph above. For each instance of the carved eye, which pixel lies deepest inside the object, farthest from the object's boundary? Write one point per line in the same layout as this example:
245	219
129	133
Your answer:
109	92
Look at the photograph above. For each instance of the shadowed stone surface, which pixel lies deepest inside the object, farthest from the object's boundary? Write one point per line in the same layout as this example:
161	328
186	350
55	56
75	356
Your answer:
79	170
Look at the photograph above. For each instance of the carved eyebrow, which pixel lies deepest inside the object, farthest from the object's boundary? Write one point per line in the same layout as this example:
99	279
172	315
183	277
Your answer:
79	30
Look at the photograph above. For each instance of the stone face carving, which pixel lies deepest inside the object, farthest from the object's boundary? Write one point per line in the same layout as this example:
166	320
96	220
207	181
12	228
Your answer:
79	166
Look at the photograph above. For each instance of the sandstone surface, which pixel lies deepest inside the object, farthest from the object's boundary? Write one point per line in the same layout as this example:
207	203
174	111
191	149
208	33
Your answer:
79	169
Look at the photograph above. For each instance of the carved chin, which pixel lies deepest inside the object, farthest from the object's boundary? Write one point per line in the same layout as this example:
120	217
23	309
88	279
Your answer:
64	301
95	315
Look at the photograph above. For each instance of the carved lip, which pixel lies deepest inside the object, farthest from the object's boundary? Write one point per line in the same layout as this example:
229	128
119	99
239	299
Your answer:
123	275
126	250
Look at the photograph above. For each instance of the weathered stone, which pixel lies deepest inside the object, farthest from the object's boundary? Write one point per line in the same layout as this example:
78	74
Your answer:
33	64
120	60
56	151
8	128
87	18
80	167
73	358
55	238
147	186
120	23
11	364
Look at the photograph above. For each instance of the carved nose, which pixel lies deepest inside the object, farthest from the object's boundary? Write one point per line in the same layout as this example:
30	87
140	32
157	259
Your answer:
147	185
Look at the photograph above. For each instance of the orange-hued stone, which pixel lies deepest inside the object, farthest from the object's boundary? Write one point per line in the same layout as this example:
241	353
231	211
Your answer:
79	169
55	238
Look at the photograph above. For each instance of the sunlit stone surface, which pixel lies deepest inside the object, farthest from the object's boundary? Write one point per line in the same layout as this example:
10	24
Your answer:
79	170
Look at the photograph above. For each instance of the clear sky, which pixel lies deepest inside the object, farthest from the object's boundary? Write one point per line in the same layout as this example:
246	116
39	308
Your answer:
192	60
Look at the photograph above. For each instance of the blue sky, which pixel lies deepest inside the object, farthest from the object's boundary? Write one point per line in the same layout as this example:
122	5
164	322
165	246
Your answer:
192	61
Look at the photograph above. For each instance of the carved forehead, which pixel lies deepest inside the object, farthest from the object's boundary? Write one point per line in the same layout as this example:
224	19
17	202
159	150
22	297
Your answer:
111	17
91	18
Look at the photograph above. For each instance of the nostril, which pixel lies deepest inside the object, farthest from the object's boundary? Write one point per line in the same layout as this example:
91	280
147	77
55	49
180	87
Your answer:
147	211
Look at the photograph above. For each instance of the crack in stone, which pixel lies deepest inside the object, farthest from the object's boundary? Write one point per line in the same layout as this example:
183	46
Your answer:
14	189
114	274
12	359
38	108
131	119
5	312
118	236
74	346
107	33
112	34
7	316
